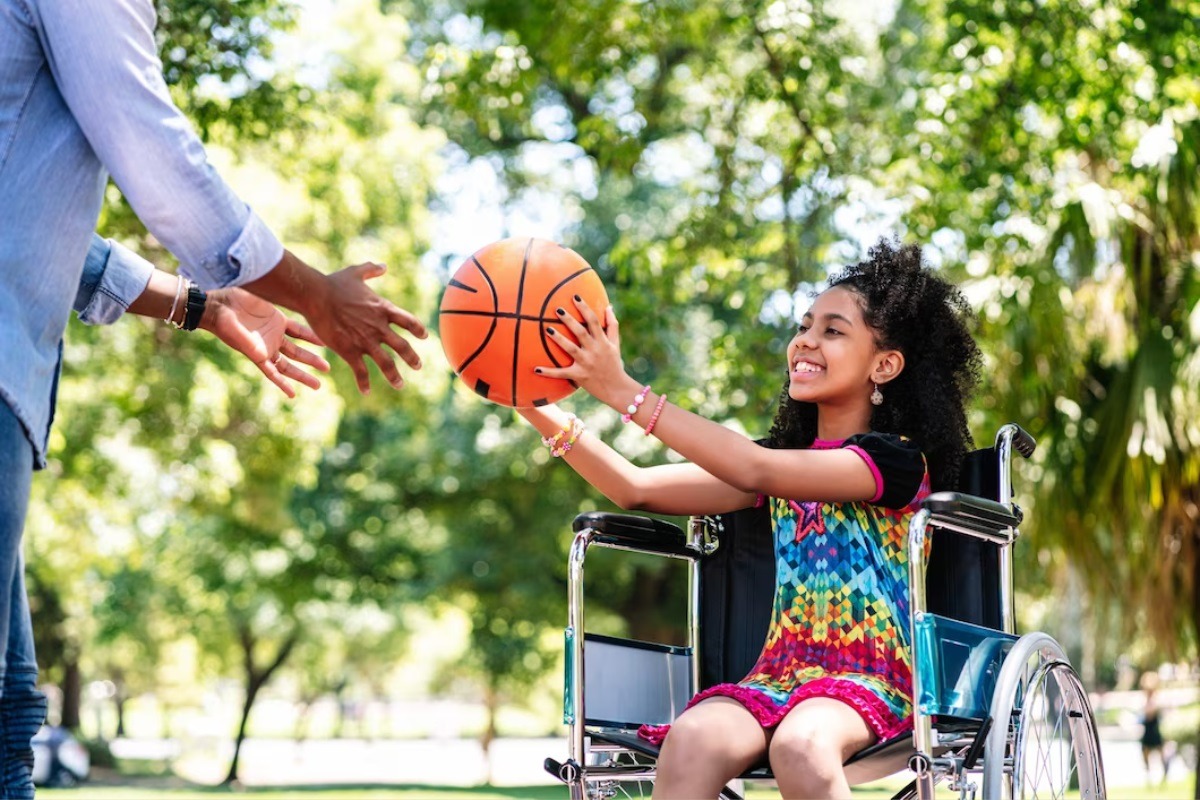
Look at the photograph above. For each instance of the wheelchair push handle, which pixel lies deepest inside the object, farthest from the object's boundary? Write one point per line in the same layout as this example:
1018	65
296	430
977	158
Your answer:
1020	438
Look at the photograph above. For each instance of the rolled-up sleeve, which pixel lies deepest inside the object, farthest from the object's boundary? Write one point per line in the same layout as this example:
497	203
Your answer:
113	277
105	63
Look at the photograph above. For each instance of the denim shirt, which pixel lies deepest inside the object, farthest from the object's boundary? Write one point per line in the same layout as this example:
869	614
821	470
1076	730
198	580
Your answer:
82	96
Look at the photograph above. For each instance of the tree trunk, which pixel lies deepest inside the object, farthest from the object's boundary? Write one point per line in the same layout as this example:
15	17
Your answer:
1196	625
491	700
255	679
71	693
119	702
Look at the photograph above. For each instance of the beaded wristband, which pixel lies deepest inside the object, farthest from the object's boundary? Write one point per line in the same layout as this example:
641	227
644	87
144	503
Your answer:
662	401
564	447
562	441
551	441
638	399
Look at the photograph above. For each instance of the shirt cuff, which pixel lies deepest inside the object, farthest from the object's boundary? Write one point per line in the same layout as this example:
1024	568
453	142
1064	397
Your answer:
255	252
113	277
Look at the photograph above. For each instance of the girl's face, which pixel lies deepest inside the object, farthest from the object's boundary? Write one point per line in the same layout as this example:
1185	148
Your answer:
833	356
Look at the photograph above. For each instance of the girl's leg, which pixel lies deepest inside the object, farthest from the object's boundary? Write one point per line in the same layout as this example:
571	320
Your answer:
709	745
810	745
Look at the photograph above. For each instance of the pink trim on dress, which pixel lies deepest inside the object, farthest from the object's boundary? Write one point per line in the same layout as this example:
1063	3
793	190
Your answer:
874	471
878	716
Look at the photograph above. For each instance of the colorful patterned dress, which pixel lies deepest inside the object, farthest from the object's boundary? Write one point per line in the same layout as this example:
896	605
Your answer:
839	623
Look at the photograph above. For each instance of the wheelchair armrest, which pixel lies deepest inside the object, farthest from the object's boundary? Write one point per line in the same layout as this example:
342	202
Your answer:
972	515
635	533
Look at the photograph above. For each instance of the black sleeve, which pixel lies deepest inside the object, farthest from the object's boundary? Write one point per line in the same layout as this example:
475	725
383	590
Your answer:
898	463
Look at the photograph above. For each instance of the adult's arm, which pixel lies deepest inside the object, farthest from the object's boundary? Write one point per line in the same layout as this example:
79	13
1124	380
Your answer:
104	60
116	280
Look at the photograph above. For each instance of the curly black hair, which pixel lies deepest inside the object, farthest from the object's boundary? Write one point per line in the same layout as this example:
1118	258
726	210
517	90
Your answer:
914	310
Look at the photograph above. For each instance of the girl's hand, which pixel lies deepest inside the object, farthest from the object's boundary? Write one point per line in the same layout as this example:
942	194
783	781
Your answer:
259	331
597	365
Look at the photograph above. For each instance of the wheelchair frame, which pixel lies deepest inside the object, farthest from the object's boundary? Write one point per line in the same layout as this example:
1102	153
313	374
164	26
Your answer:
604	759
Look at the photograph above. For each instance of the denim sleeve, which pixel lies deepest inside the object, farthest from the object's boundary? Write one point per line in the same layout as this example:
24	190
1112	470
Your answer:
113	277
104	60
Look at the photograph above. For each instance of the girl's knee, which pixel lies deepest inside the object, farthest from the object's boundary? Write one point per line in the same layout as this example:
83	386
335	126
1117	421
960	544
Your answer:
693	740
805	750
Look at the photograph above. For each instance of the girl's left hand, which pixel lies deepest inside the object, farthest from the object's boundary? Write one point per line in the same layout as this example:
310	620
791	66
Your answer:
597	365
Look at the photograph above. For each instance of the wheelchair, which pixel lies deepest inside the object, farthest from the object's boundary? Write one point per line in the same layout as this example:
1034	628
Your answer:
993	712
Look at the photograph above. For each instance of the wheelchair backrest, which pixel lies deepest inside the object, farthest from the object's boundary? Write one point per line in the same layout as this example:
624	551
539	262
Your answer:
738	580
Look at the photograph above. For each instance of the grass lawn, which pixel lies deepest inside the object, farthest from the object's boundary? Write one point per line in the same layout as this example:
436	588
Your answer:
139	789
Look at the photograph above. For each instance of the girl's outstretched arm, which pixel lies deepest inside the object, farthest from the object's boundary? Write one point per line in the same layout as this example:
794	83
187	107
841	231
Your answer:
827	475
683	489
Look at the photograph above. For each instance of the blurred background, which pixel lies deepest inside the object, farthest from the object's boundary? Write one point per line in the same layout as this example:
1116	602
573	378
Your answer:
221	577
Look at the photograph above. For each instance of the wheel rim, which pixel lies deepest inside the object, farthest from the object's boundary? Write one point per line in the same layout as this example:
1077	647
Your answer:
1056	750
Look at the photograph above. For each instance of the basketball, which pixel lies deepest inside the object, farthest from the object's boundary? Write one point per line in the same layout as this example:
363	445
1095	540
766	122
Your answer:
496	310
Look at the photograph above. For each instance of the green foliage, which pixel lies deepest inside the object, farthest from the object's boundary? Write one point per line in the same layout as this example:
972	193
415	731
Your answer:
712	161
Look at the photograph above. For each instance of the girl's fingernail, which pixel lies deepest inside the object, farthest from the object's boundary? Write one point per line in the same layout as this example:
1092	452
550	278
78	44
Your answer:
551	331
538	370
561	311
578	299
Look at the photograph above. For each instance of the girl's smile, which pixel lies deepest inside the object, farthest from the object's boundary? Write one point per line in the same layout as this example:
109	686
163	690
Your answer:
804	369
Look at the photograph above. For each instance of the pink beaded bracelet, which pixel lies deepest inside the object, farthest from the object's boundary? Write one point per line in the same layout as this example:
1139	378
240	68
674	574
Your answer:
662	401
637	402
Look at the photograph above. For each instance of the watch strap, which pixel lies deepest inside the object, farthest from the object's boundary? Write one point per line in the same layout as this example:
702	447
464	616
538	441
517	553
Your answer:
194	308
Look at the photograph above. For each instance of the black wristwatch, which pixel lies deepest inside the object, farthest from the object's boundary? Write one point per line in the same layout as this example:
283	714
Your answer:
194	309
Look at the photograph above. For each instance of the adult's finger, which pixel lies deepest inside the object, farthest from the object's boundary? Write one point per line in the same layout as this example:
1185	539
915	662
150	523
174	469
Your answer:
387	365
293	371
402	348
298	330
270	368
407	320
297	353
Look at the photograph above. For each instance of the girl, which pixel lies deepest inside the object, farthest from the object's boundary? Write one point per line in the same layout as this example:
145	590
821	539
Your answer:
871	419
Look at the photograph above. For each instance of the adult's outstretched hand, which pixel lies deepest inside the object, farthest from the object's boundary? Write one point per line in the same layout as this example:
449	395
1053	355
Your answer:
346	314
259	331
355	323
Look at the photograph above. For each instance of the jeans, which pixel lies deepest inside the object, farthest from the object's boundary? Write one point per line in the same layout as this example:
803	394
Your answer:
22	706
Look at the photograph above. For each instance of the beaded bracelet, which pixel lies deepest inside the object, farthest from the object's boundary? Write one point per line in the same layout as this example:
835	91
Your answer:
550	441
562	441
564	447
662	401
637	402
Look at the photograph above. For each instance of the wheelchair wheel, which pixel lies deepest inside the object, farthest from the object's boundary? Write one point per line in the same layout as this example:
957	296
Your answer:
1043	742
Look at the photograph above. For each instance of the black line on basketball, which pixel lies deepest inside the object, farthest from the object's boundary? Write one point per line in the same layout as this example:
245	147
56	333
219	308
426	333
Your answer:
517	332
463	312
457	285
495	320
544	318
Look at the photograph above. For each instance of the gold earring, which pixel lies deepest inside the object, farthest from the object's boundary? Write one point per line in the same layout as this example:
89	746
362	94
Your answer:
876	396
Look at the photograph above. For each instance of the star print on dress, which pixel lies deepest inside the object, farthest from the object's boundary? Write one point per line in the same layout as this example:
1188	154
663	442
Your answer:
809	518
